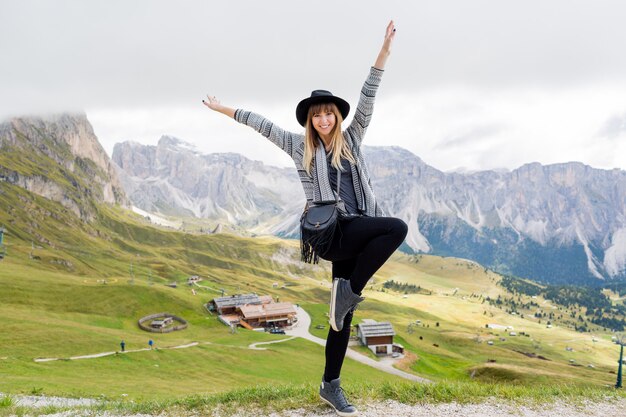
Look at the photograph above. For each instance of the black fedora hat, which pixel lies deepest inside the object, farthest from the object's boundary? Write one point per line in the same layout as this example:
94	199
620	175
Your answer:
320	96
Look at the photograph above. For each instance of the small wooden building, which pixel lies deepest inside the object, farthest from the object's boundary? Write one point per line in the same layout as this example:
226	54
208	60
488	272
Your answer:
230	304
378	337
253	311
161	323
268	315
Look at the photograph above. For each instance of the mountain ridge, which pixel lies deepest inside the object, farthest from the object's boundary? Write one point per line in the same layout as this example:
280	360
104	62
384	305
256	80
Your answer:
559	223
569	210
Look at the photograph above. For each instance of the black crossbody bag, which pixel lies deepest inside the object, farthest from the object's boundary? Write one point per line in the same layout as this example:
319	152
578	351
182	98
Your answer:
318	224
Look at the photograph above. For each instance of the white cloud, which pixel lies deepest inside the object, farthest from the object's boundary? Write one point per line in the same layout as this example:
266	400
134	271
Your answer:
449	129
207	130
485	129
478	84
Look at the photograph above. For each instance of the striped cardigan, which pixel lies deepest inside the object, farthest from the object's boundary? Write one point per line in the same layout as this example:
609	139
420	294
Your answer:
317	185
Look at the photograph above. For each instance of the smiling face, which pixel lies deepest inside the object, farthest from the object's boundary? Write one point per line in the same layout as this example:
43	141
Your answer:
323	122
324	118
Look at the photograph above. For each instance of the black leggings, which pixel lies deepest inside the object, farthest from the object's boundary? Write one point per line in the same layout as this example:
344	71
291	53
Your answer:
360	247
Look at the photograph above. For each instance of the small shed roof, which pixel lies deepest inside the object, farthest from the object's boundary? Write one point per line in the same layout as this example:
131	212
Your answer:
236	300
267	310
376	329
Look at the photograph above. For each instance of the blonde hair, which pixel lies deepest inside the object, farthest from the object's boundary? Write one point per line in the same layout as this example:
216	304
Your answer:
339	147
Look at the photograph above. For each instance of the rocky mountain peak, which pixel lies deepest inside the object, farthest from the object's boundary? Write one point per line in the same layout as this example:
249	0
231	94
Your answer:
174	178
66	162
176	144
560	223
73	130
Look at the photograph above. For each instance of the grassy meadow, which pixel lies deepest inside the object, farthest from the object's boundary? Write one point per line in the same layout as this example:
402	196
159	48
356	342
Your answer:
463	351
69	288
55	315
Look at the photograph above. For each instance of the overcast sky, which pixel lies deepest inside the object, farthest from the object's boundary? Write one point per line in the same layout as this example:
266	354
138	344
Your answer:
469	85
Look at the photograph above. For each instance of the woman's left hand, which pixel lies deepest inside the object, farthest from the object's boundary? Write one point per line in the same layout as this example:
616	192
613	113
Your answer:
390	33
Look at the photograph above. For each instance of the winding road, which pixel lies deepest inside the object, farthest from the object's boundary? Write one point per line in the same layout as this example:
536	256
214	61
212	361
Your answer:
301	329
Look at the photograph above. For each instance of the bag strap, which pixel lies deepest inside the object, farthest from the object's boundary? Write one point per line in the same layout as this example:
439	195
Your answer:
337	198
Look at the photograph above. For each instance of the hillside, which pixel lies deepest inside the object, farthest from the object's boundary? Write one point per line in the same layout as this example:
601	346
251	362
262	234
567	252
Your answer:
57	305
81	268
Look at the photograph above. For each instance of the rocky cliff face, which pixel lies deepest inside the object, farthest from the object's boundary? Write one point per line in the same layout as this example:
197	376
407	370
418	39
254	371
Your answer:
559	223
59	157
556	223
173	178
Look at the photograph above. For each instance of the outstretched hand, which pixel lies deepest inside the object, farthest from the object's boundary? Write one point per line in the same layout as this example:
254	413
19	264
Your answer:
212	103
390	33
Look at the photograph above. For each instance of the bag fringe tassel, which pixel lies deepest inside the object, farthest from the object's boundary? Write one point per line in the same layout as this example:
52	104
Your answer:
313	243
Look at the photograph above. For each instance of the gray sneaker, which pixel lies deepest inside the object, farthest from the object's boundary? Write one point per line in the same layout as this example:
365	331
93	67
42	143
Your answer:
342	300
332	393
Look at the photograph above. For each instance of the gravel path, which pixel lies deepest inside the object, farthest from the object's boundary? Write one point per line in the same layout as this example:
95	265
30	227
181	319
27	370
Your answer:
102	354
615	408
489	409
38	401
254	346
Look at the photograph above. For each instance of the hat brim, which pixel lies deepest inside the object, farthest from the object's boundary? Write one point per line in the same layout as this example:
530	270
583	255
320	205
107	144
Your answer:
302	108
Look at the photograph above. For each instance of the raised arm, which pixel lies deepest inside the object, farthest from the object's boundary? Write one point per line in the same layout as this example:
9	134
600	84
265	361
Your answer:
287	141
365	108
385	50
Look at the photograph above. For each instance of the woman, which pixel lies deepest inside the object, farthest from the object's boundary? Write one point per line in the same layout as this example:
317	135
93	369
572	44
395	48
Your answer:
364	239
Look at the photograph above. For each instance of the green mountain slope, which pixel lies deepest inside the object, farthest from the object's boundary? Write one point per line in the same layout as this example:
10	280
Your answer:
75	282
55	304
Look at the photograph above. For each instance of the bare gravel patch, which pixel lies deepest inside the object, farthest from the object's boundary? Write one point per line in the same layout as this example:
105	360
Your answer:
488	409
389	408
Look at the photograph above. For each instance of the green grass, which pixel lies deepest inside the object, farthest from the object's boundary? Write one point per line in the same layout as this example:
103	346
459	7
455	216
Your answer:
6	401
319	317
55	305
256	399
365	351
458	355
168	374
57	314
